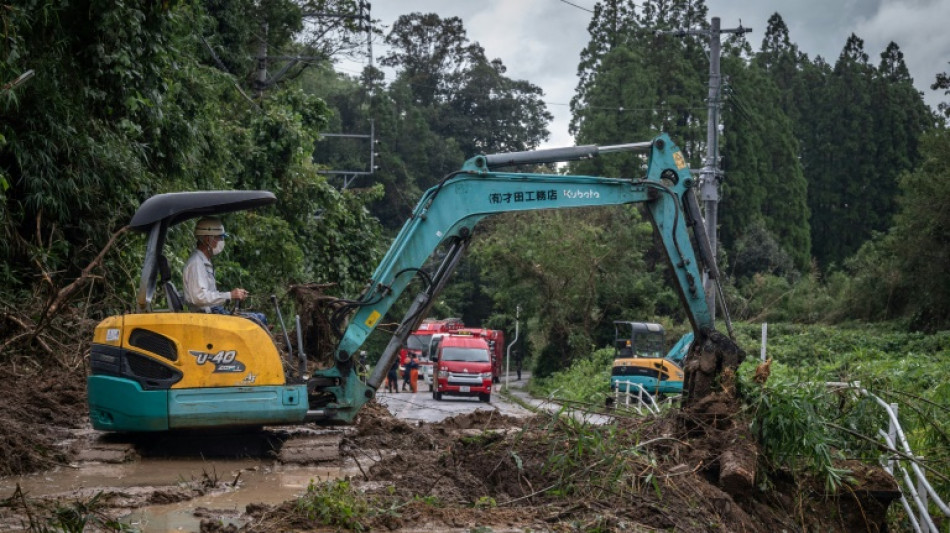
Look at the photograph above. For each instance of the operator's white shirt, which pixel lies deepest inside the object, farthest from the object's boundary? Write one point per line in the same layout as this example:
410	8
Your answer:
200	289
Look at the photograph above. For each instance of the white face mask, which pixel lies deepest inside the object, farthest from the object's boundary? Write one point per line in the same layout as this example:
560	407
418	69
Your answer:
218	247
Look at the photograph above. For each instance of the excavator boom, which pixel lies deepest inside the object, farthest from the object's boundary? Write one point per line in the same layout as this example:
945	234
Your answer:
448	213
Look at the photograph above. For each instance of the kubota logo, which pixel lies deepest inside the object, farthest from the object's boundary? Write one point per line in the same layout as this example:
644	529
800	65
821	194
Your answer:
583	195
223	361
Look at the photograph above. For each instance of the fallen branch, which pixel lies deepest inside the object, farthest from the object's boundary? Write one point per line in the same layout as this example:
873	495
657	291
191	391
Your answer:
18	321
31	330
28	330
67	292
885	448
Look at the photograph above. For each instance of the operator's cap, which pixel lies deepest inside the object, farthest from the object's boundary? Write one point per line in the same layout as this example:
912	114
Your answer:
210	226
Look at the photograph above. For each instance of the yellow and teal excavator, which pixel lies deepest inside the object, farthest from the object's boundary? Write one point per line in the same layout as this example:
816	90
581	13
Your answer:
159	370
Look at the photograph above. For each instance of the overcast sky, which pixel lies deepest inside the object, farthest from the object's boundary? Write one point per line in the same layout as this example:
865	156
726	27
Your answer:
541	40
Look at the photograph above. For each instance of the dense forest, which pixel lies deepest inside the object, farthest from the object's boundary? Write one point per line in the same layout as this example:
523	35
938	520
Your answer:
835	170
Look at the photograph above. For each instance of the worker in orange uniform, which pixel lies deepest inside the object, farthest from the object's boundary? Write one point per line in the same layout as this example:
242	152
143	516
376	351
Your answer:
412	374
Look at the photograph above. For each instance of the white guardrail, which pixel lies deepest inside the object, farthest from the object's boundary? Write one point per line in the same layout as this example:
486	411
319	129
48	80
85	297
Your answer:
635	394
916	486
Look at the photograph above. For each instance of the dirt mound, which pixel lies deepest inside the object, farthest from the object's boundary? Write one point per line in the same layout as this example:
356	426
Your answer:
40	407
480	420
377	429
711	356
685	472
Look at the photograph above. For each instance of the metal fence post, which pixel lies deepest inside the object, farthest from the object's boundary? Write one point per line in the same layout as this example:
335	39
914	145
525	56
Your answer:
923	515
892	434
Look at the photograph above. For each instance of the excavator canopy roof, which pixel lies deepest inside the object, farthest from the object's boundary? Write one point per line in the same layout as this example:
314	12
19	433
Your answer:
639	327
177	207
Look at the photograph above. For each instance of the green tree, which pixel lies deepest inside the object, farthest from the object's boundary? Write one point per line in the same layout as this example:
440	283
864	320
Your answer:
845	174
758	252
857	138
492	113
432	54
815	112
635	82
463	95
901	274
900	118
942	82
922	233
113	113
781	59
124	106
572	272
764	183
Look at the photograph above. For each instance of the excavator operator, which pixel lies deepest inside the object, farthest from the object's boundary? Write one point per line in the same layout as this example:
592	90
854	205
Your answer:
201	292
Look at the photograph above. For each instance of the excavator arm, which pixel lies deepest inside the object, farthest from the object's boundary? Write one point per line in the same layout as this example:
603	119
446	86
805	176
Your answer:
448	213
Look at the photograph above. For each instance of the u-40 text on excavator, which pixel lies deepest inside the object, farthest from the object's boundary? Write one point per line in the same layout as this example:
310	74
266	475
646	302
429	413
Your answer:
160	370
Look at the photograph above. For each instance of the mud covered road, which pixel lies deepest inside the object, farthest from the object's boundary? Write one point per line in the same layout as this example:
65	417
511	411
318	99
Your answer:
173	482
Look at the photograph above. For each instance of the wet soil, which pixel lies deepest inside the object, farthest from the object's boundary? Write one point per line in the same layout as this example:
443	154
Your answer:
40	408
479	471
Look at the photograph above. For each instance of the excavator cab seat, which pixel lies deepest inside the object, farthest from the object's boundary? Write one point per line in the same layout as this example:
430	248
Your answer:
171	293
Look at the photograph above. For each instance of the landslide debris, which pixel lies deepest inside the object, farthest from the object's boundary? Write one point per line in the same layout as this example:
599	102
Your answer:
685	471
552	473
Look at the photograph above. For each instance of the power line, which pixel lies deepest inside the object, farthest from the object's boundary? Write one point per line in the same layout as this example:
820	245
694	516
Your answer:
618	109
582	8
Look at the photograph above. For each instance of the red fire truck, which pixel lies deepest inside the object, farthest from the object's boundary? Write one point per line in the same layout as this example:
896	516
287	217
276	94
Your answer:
496	345
418	343
463	366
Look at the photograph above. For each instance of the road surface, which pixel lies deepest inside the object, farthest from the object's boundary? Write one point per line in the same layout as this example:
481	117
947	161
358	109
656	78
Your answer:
422	407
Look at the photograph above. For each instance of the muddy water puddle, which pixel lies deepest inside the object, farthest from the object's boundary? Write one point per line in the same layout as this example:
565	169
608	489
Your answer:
143	488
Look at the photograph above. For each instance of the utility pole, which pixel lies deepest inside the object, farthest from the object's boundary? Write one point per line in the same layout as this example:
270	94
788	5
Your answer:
366	23
262	63
710	175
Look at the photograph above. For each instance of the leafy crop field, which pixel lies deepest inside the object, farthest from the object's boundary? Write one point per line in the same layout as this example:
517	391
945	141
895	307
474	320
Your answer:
799	421
911	370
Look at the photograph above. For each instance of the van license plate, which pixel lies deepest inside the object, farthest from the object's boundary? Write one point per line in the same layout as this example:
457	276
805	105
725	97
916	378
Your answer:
465	389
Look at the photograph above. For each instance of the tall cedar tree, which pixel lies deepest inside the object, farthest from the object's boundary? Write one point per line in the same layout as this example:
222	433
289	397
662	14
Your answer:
764	184
865	138
635	83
